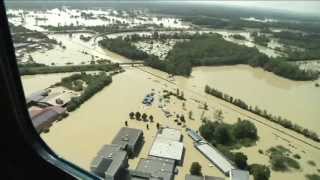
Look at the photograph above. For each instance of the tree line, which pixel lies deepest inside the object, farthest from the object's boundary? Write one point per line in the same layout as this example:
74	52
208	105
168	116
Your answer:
35	68
263	113
213	50
95	83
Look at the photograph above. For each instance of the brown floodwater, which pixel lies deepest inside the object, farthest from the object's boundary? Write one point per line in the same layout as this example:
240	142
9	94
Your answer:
80	136
296	101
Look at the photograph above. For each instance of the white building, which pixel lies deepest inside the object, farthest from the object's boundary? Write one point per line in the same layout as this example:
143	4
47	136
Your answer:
167	145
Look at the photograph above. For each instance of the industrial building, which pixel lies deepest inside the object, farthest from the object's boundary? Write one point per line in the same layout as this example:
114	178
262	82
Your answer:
129	139
154	168
36	97
193	177
110	163
237	174
218	159
194	135
167	145
42	118
215	157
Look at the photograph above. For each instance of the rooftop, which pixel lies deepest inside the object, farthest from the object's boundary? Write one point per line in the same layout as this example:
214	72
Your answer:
237	174
193	177
127	136
194	135
215	157
109	160
170	134
166	148
157	167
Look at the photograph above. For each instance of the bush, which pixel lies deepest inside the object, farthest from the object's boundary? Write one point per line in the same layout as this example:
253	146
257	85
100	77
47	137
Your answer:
195	169
240	160
260	172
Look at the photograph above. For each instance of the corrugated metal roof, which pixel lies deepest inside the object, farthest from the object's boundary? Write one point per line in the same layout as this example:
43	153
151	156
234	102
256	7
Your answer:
194	135
166	148
127	136
215	157
170	133
238	174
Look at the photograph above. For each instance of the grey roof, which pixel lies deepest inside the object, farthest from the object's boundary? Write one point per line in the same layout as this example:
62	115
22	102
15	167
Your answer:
166	148
238	174
170	133
45	117
159	168
127	136
194	135
109	160
215	157
193	177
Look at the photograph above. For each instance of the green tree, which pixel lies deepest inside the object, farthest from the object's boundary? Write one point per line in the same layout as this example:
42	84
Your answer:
138	115
151	118
245	129
131	115
240	160
195	169
222	135
144	117
260	172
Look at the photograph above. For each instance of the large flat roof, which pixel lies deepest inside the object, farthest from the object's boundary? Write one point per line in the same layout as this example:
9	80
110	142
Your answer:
238	174
166	148
215	157
127	136
157	167
108	160
170	133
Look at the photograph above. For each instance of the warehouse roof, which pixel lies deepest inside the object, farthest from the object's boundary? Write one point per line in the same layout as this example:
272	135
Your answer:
170	133
166	148
194	135
127	136
157	167
237	174
193	177
215	157
108	160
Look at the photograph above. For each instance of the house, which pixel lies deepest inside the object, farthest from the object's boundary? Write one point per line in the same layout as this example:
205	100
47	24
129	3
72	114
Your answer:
110	163
130	139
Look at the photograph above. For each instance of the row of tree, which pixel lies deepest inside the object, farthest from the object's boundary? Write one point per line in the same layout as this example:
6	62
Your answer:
35	68
123	47
263	113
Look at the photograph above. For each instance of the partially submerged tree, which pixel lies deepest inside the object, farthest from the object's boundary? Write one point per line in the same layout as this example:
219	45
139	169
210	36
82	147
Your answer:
195	169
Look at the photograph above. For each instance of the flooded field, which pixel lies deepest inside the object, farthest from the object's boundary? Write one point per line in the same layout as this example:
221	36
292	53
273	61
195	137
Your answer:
79	137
